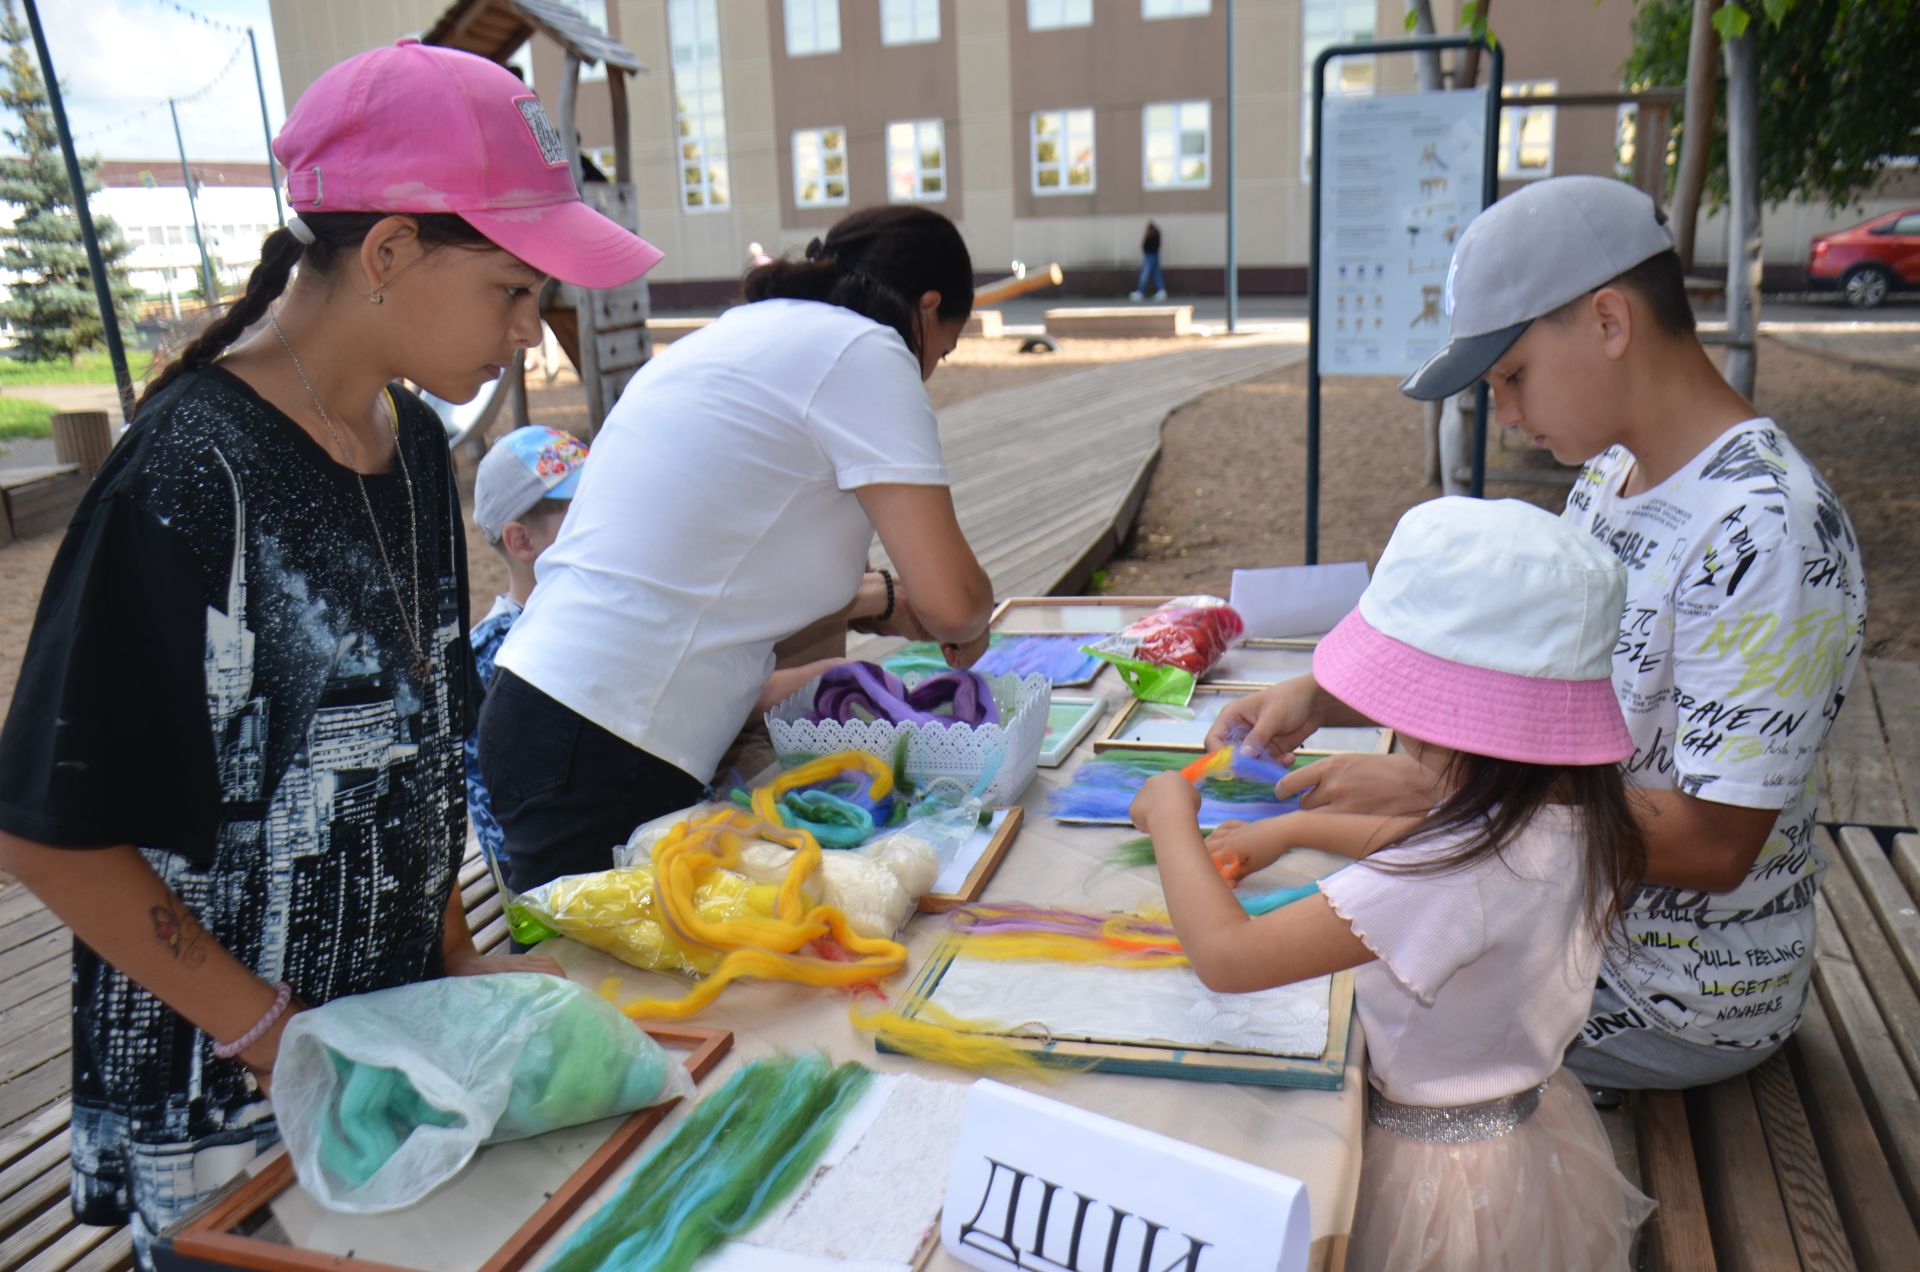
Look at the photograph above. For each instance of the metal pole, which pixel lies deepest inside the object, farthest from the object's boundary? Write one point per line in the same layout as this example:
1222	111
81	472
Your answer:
260	85
208	291
1233	243
1489	191
1313	321
77	187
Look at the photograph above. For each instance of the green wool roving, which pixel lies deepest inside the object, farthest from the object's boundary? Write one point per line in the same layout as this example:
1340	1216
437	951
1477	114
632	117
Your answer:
740	1153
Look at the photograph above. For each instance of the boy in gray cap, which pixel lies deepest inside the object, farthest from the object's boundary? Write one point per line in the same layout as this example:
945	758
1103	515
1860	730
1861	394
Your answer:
1746	609
521	492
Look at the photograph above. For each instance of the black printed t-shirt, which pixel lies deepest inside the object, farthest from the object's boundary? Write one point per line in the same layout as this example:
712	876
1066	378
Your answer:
220	674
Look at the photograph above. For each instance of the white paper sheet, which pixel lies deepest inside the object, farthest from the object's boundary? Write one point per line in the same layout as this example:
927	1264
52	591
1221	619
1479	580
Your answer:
1297	600
1122	1004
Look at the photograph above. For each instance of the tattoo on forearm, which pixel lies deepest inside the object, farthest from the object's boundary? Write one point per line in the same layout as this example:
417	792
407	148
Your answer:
177	929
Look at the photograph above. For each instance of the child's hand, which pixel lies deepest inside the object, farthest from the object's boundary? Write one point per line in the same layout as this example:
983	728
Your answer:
1228	851
1165	795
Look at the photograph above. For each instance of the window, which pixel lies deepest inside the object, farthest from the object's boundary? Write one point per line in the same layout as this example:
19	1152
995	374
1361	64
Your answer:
136	235
1324	23
813	26
1175	144
1151	9
916	161
1526	132
176	235
1907	225
1048	15
909	21
1063	152
820	167
694	34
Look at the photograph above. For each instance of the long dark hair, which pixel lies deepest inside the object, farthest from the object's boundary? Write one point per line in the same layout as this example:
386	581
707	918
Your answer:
1494	800
334	234
878	262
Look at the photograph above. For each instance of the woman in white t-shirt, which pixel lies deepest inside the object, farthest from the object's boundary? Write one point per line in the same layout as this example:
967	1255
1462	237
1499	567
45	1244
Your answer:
732	498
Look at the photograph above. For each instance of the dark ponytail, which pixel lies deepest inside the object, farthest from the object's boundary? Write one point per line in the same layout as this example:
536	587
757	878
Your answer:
878	262
333	234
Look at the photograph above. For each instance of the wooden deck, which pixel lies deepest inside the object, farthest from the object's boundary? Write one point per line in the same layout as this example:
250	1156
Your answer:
1048	477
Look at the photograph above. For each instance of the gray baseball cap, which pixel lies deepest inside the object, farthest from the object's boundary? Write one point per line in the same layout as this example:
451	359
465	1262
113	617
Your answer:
1527	255
530	464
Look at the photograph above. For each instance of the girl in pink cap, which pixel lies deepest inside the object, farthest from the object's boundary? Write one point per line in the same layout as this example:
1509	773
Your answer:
1485	639
234	763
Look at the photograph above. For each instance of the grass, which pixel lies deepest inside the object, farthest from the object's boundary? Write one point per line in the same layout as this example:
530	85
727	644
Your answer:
23	417
92	368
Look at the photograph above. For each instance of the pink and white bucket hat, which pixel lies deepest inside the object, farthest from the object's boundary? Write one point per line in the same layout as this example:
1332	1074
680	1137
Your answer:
419	128
1488	627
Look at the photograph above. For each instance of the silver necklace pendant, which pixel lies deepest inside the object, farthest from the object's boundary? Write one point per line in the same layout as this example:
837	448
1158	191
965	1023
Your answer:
414	624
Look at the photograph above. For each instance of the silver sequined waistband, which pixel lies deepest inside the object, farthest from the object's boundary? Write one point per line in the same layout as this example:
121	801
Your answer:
1454	1124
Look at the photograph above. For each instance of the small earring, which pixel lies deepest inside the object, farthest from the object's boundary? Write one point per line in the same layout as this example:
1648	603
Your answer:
377	298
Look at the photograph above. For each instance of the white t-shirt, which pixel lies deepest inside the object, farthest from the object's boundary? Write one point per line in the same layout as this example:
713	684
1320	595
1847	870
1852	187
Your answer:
717	516
1484	975
1746	608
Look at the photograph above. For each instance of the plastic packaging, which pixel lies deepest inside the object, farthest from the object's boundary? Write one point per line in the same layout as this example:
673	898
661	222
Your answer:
1162	655
615	912
383	1097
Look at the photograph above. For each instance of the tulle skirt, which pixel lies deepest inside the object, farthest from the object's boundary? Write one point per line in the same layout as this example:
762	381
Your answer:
1545	1195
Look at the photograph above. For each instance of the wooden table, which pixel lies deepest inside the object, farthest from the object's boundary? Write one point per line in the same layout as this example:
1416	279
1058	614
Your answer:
1314	1136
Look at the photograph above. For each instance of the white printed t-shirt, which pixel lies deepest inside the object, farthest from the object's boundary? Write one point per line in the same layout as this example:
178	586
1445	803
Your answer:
1746	608
718	515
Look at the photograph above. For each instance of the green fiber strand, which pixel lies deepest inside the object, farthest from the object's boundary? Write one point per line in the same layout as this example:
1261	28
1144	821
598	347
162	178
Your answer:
742	1151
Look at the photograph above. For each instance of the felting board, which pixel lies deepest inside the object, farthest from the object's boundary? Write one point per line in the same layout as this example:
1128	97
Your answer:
873	1201
1063	1012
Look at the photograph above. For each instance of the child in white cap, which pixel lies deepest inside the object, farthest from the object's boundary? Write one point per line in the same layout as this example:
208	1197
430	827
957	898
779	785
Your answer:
520	497
1486	640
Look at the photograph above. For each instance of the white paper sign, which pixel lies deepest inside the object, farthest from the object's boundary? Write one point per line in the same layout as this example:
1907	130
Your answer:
1297	600
1038	1184
1400	178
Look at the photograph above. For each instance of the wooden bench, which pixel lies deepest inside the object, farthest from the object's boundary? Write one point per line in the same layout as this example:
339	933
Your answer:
1121	322
986	324
1812	1159
37	1229
40	499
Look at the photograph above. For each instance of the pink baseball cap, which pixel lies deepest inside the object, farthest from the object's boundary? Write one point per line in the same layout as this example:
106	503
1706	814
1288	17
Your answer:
419	128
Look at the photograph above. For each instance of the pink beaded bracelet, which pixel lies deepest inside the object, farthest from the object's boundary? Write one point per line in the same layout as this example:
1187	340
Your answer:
283	994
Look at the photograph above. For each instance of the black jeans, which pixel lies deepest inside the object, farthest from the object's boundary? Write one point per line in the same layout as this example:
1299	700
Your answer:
565	791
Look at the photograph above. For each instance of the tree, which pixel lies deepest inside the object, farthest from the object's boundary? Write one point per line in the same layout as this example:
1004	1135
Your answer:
1835	82
52	306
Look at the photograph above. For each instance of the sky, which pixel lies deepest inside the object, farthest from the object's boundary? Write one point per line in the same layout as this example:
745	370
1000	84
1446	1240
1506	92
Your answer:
120	60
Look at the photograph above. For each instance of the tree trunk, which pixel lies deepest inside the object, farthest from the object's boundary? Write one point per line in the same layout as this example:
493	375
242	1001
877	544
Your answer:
1468	73
1696	137
1743	221
1427	64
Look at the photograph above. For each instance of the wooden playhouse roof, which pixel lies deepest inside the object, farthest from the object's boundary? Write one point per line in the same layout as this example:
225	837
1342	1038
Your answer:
495	28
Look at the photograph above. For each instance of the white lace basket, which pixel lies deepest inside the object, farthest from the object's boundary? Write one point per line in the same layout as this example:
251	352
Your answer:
934	750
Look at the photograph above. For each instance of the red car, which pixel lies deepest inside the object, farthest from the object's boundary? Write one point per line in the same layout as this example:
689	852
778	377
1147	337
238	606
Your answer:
1868	261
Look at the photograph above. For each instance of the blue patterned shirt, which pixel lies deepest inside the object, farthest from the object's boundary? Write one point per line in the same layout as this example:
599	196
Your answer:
488	635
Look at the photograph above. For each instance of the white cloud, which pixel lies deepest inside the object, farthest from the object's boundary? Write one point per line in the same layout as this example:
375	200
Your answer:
123	58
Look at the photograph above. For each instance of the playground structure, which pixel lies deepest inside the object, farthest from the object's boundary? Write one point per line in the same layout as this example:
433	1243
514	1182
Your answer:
603	331
1019	283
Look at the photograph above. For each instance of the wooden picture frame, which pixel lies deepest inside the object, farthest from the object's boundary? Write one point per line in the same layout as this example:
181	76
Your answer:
1262	662
1122	734
217	1235
1058	745
999	837
1077	614
1325	1072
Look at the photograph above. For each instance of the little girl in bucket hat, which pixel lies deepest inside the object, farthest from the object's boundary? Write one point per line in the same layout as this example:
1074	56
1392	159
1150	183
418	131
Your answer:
1485	639
234	763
